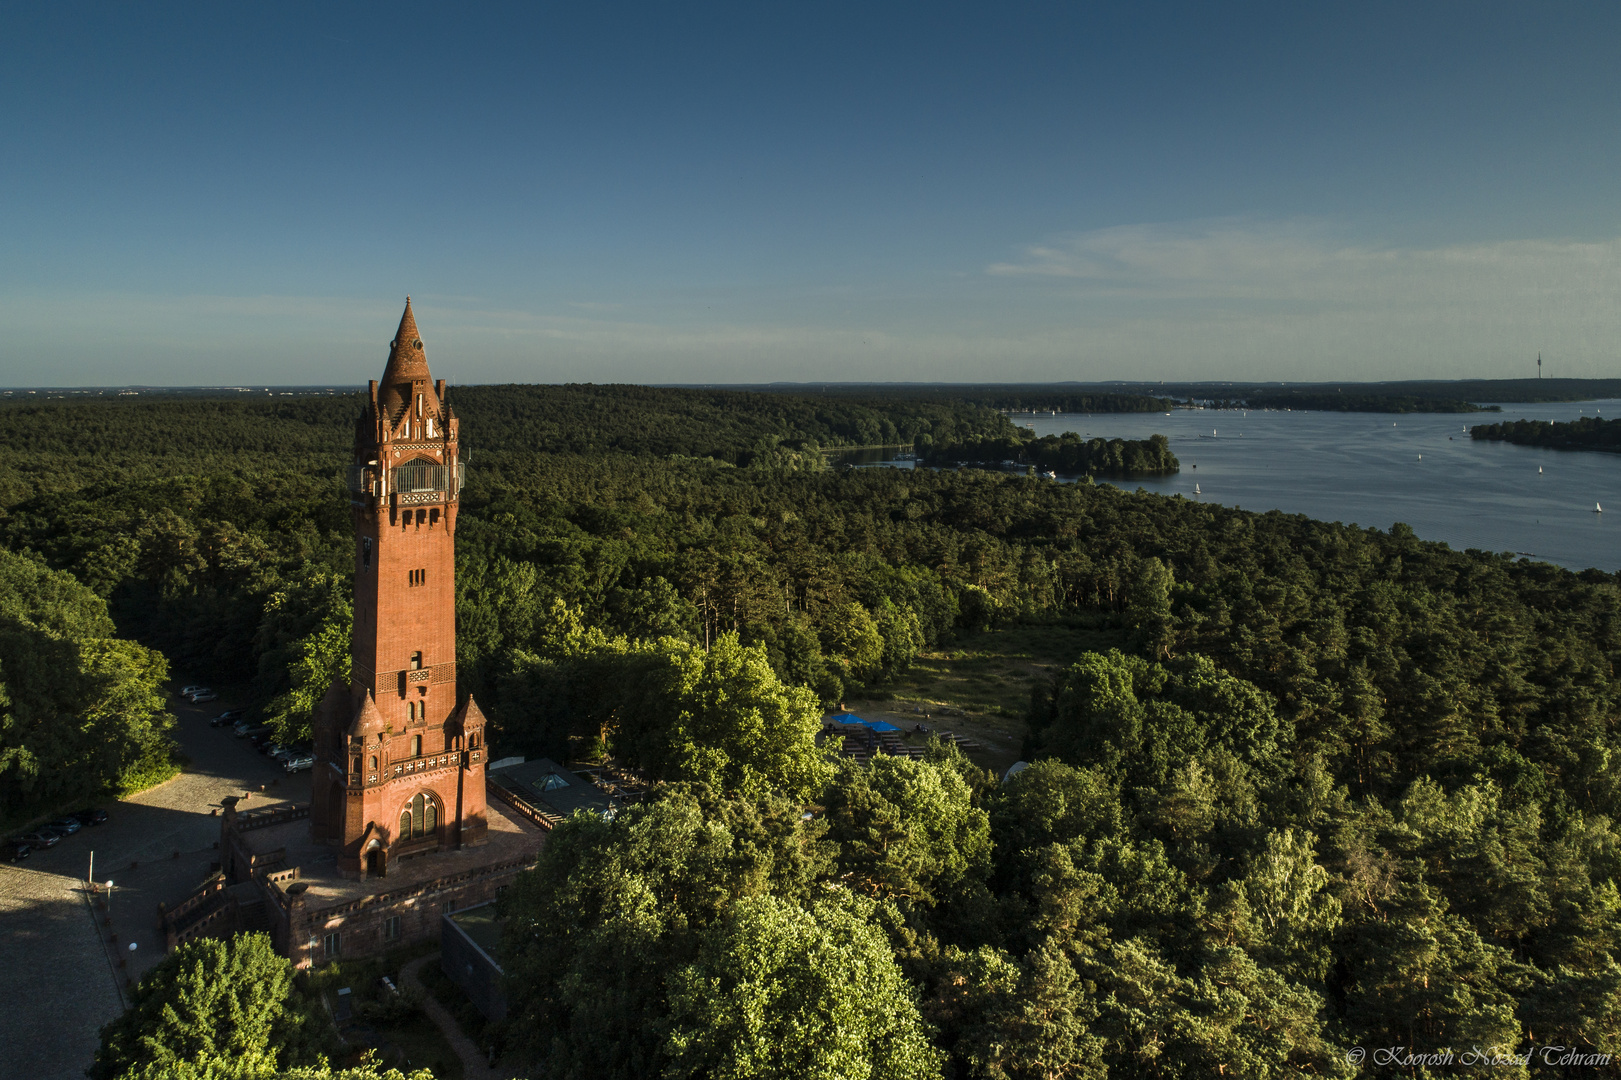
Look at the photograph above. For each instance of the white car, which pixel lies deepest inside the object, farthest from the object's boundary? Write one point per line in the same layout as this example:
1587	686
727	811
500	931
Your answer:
300	764
204	695
186	692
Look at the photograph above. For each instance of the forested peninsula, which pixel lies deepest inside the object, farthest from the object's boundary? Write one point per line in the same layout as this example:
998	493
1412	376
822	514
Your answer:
1296	788
1069	454
1586	433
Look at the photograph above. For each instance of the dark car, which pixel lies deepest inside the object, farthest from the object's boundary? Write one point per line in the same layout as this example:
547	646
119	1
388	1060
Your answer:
67	826
15	851
229	716
90	816
250	732
40	838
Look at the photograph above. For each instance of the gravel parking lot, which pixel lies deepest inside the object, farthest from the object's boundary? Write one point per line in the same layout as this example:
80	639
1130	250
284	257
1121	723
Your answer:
60	952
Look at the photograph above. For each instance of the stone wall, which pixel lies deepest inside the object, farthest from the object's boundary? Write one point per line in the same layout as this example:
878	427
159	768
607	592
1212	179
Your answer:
362	924
471	968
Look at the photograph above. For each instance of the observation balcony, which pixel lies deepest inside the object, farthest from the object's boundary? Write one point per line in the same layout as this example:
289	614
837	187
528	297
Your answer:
417	481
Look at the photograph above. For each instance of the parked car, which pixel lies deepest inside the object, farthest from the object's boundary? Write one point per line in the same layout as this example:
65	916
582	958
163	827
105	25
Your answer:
250	732
15	851
90	816
187	691
40	838
67	826
229	716
300	763
204	695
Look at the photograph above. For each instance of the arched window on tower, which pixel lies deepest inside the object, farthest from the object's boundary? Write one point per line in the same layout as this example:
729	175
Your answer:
419	818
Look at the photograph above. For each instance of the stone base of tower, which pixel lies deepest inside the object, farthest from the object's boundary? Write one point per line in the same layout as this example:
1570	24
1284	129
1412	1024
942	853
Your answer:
274	875
383	794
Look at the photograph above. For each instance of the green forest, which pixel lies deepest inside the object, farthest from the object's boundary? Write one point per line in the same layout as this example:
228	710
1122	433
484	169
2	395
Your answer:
1069	453
1586	433
1308	787
1416	395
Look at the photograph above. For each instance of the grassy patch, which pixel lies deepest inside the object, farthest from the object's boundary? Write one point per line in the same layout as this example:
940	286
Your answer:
979	686
484	1033
149	776
417	1044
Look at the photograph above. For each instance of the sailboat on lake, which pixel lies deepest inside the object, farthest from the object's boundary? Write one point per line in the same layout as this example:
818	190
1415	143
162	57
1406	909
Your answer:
1196	490
1597	509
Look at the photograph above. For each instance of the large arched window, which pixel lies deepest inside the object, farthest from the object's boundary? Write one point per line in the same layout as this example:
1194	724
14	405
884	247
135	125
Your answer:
419	818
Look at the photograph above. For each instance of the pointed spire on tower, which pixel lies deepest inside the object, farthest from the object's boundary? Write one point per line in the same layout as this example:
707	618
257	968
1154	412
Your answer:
407	364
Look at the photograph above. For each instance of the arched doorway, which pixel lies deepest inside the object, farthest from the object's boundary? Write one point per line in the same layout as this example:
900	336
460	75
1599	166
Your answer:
376	859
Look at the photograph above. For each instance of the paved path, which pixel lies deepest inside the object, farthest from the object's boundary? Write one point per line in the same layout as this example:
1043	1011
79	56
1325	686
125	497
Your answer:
58	973
475	1066
57	979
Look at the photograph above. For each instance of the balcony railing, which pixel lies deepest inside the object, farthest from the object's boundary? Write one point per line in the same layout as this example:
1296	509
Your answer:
415	478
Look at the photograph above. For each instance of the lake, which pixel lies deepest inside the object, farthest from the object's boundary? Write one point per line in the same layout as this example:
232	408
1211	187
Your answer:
1377	469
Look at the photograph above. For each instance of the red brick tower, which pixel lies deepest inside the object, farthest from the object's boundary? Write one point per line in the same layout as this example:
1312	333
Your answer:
399	767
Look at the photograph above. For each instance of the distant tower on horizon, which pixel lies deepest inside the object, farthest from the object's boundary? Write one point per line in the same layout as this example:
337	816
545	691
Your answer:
399	762
1539	365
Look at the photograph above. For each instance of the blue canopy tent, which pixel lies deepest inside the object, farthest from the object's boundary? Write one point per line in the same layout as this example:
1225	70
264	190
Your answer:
852	718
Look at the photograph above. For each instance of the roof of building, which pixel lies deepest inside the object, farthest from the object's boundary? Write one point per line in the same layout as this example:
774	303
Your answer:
481	926
552	787
367	720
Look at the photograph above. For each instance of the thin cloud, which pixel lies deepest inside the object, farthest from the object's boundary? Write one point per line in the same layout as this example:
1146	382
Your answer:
1208	300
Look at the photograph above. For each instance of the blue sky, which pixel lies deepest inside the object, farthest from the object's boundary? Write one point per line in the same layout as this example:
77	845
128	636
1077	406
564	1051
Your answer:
224	194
